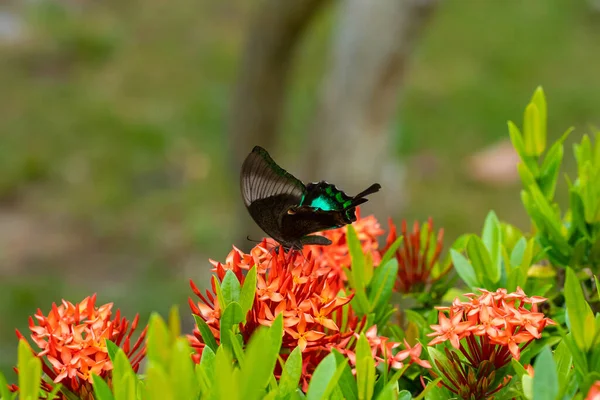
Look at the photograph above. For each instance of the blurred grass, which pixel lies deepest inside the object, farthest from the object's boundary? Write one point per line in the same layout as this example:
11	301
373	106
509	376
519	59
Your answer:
114	115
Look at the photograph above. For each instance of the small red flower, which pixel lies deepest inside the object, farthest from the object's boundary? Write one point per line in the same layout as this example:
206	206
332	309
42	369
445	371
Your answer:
418	256
73	347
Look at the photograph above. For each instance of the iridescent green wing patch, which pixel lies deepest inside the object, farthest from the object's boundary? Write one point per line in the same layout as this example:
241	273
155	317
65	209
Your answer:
326	197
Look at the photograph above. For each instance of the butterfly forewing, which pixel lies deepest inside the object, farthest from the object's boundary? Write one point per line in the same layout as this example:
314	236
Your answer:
262	178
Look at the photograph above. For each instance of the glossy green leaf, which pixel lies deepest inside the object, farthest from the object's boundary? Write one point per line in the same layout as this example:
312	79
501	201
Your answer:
222	387
322	378
205	371
485	269
291	373
579	312
347	382
4	392
492	237
230	288
464	269
391	251
112	349
539	99
545	380
248	291
124	379
516	278
358	258
30	372
101	389
207	335
365	369
535	142
259	363
563	360
231	317
382	284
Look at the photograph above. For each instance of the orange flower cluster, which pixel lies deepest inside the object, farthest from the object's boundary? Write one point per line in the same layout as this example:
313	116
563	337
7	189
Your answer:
418	257
288	284
307	288
72	342
488	330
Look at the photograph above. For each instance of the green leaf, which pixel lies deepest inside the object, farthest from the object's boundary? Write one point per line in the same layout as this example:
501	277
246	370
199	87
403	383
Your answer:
516	278
549	170
539	99
159	340
181	371
290	375
248	291
518	252
545	380
259	363
563	360
380	289
347	383
579	312
112	350
158	386
101	389
324	379
4	392
391	251
124	379
535	142
365	369
174	322
30	372
222	387
492	237
205	371
486	271
358	258
464	269
230	288
207	335
231	317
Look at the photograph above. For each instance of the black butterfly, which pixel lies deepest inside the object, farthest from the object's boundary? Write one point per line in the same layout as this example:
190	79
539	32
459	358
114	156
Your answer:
289	211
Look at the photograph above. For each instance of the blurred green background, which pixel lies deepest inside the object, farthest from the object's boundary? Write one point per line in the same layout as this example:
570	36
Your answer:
113	146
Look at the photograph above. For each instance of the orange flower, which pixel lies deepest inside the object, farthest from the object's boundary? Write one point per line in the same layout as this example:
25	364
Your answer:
418	261
488	330
73	347
594	392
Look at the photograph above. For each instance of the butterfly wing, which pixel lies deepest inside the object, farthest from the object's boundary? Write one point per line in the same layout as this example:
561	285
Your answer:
269	192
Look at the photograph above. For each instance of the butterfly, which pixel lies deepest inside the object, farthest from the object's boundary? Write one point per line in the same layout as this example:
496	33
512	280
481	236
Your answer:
289	211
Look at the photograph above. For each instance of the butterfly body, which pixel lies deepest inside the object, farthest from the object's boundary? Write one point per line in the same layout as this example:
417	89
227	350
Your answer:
289	211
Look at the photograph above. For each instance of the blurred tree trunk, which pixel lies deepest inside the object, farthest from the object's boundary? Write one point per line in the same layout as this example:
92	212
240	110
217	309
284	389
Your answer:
257	110
351	143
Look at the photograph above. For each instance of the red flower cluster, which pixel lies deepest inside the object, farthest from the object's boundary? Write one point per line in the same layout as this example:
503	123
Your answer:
72	342
307	288
288	284
418	256
488	330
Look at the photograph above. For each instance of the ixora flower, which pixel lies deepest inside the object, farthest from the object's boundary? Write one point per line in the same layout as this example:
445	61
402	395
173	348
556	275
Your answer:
488	330
71	339
317	316
418	256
